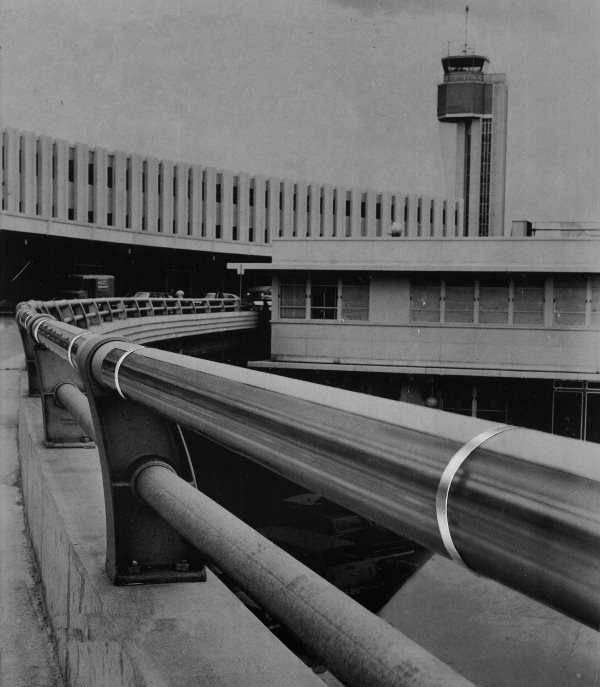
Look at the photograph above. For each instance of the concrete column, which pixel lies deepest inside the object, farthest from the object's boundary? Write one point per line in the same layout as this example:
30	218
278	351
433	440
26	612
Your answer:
12	190
28	173
44	174
61	176
273	212
369	222
181	198
165	198
195	201
437	228
339	215
301	214
81	182
151	195
99	187
258	212
226	205
314	215
134	195
287	209
243	207
384	224
210	203
355	224
412	229
327	212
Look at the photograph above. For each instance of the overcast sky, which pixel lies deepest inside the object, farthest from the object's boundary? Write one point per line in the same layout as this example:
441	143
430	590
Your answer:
339	91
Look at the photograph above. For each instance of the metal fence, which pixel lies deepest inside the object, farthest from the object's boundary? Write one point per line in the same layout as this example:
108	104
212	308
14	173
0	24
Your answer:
516	505
88	312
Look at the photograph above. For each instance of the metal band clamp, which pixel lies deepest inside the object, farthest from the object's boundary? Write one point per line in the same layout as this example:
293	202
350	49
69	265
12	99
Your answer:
36	326
118	366
70	348
443	491
28	316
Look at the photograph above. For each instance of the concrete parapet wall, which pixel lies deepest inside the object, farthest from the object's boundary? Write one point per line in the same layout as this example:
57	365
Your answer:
170	634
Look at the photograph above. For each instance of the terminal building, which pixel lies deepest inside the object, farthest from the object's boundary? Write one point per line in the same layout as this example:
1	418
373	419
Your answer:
425	299
467	316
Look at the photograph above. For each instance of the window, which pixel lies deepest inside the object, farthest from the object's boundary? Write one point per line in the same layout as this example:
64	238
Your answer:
570	301
493	301
484	184
292	304
355	298
323	298
331	297
425	301
528	301
459	300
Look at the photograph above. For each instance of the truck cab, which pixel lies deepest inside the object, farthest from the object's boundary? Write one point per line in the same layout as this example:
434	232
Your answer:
89	286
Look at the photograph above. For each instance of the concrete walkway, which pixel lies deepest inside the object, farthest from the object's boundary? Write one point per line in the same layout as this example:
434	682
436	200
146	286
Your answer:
26	652
492	635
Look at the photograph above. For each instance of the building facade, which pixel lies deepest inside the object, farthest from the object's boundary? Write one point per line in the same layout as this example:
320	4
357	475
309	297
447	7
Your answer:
503	328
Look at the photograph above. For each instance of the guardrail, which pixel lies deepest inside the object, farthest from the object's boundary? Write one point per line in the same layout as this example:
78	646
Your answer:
88	312
516	505
111	313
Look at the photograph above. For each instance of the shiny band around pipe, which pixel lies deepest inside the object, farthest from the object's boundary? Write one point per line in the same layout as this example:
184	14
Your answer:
70	348
36	326
28	316
443	491
118	366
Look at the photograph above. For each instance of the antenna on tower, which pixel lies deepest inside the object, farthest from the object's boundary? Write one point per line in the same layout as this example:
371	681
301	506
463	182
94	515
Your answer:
466	30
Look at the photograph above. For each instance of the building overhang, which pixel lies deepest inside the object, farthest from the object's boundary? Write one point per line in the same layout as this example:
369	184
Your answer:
459	371
461	254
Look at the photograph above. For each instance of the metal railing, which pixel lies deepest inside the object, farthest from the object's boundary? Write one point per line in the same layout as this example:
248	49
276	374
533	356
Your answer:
519	506
88	312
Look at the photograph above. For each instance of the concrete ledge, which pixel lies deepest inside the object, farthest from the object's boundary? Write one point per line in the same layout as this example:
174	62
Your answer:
155	635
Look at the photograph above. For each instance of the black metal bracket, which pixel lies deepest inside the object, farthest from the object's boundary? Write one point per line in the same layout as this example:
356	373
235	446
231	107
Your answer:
46	374
141	546
23	320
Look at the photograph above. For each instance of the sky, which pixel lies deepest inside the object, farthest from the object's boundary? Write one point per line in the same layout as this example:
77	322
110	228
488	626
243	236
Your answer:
328	91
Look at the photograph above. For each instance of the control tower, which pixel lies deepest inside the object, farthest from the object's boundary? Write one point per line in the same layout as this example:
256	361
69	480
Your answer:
476	103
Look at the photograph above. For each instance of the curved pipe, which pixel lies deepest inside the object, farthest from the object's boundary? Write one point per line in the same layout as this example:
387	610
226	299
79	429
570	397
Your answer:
524	508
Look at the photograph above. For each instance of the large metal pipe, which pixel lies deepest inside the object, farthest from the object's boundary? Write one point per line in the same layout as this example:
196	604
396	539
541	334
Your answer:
356	645
524	509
